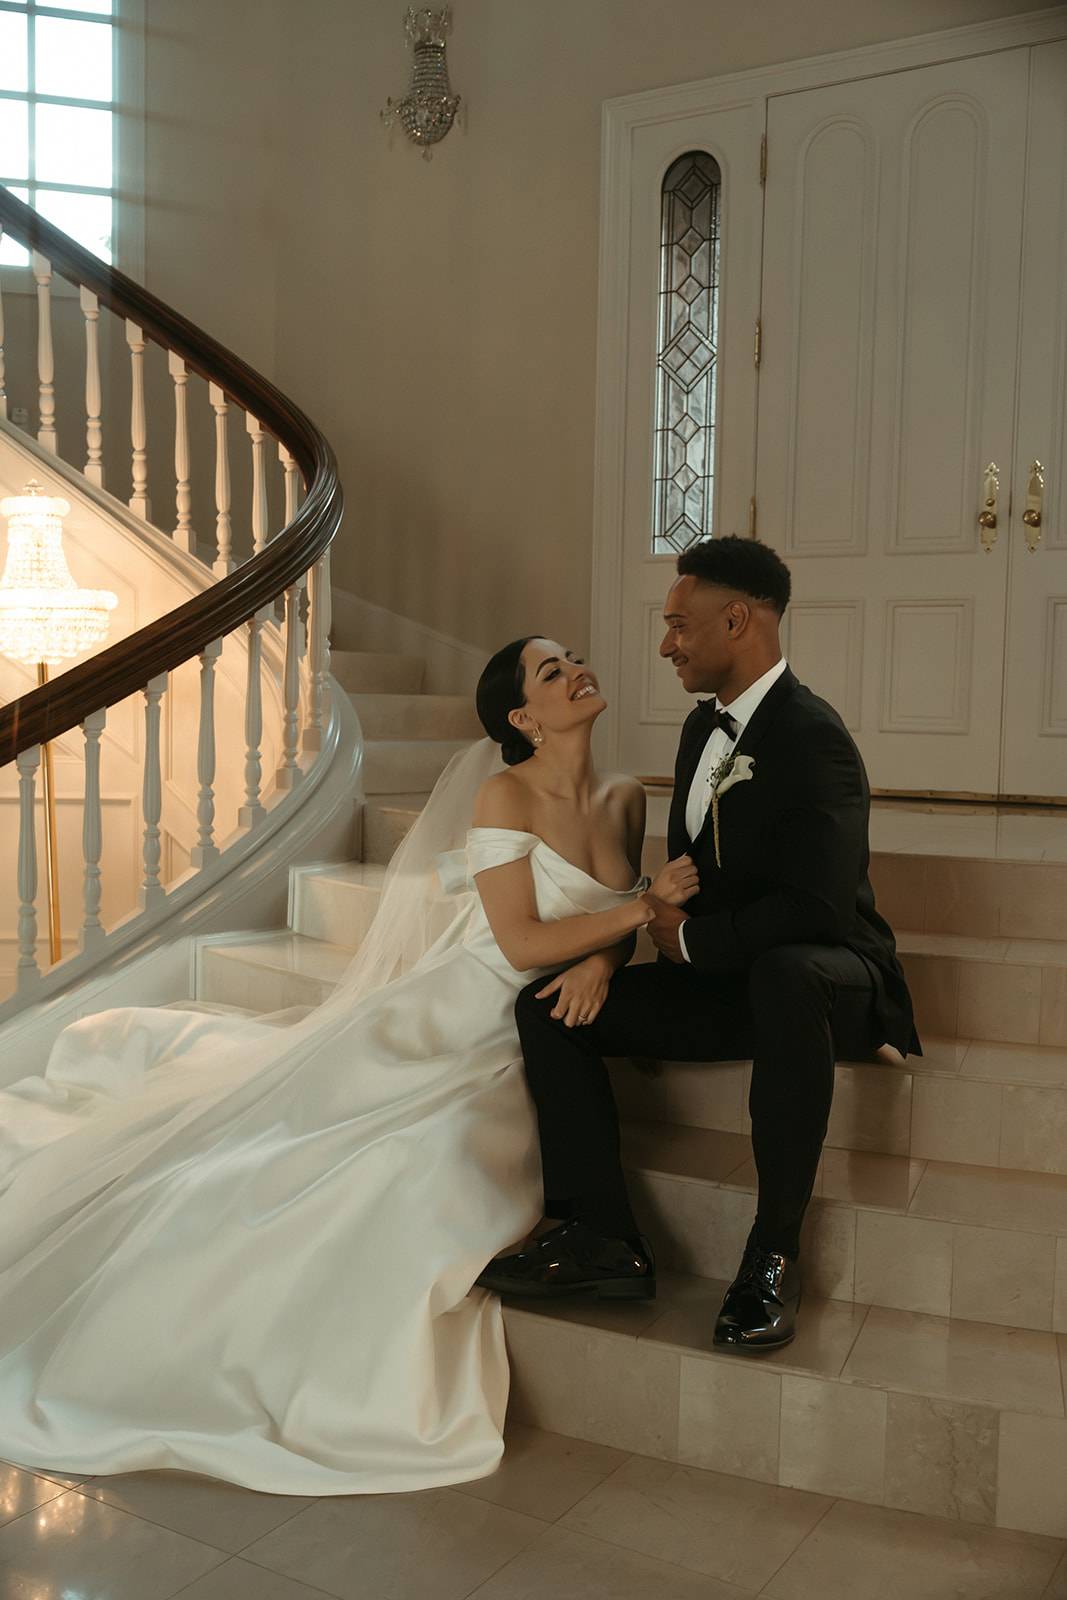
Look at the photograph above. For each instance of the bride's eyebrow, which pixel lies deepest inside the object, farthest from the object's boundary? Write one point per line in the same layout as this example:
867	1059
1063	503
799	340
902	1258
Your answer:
547	662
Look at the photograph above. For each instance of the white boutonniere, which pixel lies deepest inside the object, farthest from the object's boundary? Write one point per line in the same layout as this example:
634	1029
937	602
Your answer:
731	769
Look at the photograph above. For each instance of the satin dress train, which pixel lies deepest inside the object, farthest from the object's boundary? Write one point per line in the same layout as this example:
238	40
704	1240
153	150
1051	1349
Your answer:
267	1277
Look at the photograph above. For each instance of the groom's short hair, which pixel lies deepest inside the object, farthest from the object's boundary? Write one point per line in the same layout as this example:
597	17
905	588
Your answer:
747	565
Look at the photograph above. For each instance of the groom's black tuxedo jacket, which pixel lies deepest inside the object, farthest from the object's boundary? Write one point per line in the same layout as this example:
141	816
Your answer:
794	849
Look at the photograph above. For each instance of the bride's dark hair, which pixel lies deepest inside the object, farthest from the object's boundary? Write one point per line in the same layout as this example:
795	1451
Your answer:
502	688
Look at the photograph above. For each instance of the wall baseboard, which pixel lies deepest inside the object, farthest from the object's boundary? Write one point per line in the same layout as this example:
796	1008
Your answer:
452	666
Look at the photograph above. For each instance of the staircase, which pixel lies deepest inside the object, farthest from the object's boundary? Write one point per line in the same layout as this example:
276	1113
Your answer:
928	1373
222	642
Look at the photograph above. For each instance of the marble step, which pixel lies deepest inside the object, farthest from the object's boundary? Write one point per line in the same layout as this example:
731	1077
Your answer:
981	1244
982	898
967	1100
986	899
986	1242
417	716
377	672
268	971
933	1415
391	765
1013	991
386	819
964	1100
334	901
1002	990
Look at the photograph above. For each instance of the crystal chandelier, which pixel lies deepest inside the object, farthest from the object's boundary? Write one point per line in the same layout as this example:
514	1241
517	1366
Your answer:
429	108
44	616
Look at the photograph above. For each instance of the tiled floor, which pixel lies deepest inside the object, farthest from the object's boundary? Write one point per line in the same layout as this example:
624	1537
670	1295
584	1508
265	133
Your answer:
560	1520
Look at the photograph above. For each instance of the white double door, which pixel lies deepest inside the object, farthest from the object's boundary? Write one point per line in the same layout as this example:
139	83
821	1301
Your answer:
914	334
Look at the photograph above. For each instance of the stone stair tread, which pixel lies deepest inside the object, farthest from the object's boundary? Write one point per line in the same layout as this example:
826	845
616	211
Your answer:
283	951
913	1353
1014	952
390	715
978	1060
359	671
424	744
412	802
978	833
363	874
399	699
224	1008
946	1191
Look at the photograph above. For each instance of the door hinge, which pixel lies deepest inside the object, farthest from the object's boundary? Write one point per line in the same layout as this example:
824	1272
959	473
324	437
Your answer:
752	517
763	159
757	343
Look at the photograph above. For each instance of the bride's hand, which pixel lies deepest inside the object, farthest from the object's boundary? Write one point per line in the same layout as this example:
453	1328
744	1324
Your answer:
582	990
677	882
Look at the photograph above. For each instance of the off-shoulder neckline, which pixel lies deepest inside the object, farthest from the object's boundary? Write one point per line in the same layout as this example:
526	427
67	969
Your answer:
522	833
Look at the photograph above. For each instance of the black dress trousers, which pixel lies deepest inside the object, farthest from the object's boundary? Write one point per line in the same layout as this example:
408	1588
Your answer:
798	1008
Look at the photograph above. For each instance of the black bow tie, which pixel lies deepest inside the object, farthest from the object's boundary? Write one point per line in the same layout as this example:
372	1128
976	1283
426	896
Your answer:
713	716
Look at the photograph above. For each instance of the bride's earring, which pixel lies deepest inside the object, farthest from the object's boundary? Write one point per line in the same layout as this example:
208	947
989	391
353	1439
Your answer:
537	736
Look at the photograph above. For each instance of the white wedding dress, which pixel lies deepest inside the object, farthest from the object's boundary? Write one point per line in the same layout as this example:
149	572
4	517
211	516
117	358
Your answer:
266	1275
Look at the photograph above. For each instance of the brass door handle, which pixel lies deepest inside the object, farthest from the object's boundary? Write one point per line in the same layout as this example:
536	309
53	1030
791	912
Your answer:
1035	492
987	517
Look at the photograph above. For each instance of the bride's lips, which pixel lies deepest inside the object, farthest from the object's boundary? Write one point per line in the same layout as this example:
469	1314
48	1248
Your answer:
585	690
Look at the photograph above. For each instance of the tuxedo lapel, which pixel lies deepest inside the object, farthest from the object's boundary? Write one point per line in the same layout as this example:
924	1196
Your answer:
763	716
692	742
752	735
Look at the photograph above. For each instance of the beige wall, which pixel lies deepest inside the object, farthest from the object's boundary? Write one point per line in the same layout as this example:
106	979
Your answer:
438	319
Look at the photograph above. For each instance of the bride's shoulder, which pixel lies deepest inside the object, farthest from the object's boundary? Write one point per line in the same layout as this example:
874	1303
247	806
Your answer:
502	802
625	790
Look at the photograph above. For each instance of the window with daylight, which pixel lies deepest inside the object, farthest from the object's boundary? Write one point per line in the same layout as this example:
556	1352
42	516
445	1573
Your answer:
57	116
686	354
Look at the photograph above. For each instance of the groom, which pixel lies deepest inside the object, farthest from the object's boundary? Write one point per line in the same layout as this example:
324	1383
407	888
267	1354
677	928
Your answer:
780	957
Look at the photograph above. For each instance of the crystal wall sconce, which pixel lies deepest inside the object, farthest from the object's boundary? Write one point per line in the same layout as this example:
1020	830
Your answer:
429	108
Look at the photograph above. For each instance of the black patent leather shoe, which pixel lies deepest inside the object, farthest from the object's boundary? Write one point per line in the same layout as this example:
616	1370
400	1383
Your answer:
574	1259
759	1310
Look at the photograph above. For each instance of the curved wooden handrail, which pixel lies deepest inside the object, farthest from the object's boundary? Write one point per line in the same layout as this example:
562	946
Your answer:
125	667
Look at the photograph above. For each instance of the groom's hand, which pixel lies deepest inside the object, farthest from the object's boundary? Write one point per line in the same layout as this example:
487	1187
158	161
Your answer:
664	926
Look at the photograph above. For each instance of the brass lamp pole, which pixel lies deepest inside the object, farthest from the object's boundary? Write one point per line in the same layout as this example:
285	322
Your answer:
55	935
45	617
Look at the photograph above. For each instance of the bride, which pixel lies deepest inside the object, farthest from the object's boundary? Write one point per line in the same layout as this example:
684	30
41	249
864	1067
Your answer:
246	1246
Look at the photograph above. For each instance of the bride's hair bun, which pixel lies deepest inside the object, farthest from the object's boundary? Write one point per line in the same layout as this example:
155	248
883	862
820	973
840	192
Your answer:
502	688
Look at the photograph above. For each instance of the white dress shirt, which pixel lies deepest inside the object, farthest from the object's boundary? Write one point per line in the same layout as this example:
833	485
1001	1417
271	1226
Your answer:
719	745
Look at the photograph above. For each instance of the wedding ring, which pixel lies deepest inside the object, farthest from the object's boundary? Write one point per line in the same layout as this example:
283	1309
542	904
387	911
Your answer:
583	1019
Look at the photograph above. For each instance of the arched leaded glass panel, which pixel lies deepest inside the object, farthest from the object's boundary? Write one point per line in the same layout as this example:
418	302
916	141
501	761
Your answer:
686	354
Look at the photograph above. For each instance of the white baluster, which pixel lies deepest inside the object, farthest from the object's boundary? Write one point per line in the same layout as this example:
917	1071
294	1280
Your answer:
327	626
27	972
94	433
259	484
288	774
292	483
46	366
3	391
183	493
224	561
138	424
292	502
92	934
206	849
152	793
318	653
253	811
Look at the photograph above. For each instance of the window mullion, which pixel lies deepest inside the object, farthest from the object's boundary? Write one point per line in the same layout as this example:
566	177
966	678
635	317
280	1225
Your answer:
31	86
87	217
